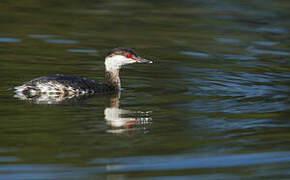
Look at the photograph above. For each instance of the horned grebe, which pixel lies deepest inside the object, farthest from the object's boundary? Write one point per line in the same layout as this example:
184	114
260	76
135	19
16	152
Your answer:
66	84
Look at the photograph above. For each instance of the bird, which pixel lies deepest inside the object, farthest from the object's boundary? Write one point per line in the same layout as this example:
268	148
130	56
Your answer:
75	85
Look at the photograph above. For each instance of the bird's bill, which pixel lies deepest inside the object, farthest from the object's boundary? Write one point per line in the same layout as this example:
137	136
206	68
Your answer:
141	60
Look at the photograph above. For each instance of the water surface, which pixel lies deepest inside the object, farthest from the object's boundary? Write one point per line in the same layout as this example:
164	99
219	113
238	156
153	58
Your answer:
214	105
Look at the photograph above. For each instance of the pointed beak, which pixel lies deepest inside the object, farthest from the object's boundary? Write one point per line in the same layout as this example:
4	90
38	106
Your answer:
141	60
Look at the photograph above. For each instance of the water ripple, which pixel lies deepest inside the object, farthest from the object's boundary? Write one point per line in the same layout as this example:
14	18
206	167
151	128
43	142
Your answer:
9	40
265	43
228	40
9	159
157	163
197	54
264	51
61	41
82	50
271	30
39	36
239	57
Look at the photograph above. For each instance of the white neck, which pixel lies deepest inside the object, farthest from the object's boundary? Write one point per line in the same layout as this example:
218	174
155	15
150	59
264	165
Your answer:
112	72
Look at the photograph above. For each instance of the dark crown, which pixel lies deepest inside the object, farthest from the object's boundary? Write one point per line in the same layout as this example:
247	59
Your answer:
122	51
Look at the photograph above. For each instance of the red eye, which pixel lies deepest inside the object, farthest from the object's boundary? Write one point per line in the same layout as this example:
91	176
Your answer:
128	55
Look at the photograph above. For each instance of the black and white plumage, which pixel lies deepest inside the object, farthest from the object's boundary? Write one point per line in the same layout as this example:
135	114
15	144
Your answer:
73	85
64	84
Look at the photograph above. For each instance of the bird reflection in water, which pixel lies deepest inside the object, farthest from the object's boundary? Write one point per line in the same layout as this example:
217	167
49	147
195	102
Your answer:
120	121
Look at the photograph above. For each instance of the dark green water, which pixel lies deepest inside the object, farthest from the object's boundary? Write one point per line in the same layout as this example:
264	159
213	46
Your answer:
214	105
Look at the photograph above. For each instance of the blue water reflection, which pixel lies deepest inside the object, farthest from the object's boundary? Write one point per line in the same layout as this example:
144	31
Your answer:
265	43
61	41
82	50
240	57
40	36
228	40
255	50
156	163
9	40
197	54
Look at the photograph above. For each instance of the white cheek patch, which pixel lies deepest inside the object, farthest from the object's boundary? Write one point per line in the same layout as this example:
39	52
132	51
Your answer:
114	63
